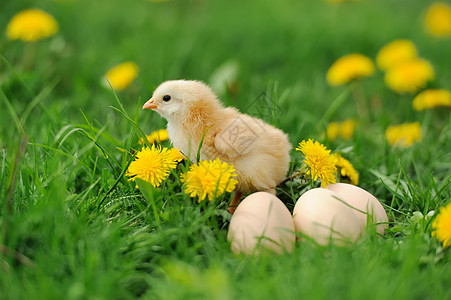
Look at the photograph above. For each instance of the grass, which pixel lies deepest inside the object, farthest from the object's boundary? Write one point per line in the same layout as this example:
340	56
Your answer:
71	226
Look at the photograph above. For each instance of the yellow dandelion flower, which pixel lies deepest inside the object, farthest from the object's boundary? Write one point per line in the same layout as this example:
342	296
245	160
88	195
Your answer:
122	75
349	67
432	98
346	169
333	130
152	165
438	19
159	135
395	52
347	129
409	76
31	25
442	226
403	135
321	164
209	178
176	155
343	129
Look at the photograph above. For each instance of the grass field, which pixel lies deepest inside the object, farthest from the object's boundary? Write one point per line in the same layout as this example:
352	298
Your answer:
73	227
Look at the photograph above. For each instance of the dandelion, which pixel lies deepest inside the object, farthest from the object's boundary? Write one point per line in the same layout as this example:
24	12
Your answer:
159	135
347	129
176	155
122	75
395	52
343	129
403	135
319	161
349	67
432	98
31	25
152	165
346	169
209	178
333	130
442	226
409	76
438	19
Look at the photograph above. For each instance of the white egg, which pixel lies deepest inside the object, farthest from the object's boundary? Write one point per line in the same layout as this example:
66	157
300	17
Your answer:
323	216
366	206
261	220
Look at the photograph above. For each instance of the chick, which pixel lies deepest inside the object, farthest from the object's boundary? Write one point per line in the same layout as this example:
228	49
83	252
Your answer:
258	151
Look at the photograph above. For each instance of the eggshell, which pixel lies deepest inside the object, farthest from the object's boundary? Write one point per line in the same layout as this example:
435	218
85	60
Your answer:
366	206
261	220
322	215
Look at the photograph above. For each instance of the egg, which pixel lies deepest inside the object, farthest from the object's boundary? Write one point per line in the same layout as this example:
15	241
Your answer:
260	221
322	215
366	206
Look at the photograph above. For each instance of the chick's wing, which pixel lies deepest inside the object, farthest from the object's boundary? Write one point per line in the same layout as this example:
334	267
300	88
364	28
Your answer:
238	135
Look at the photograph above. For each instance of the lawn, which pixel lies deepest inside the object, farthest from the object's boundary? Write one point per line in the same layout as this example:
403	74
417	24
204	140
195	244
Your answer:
72	225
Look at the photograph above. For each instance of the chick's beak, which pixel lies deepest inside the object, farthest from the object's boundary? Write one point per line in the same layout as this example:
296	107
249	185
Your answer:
150	104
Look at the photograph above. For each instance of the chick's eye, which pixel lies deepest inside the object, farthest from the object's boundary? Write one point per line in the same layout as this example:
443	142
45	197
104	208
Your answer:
166	98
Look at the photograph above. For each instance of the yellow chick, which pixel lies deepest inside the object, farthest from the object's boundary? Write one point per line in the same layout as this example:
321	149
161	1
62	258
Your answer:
258	151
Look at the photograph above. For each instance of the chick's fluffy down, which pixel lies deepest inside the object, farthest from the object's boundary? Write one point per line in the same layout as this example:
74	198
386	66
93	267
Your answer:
258	151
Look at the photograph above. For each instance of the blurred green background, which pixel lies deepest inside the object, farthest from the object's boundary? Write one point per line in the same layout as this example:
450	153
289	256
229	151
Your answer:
289	42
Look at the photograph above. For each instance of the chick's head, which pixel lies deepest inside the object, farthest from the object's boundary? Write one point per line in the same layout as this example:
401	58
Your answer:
175	98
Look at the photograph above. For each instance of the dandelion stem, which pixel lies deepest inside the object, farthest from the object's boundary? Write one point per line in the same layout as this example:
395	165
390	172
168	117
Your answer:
154	208
360	100
29	55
